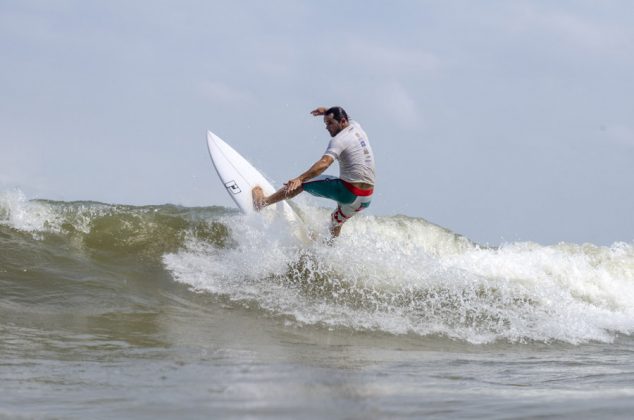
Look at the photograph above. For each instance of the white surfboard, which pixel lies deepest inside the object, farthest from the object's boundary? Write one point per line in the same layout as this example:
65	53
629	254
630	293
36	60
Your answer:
240	177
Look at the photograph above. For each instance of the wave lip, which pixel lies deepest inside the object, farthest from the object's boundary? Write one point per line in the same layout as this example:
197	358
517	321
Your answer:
115	230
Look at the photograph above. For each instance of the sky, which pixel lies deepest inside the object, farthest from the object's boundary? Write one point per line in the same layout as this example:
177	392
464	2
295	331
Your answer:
500	120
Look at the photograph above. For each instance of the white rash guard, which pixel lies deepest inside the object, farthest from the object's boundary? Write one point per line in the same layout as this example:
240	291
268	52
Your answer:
352	149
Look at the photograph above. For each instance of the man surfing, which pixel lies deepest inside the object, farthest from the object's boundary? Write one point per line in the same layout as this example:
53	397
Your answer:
352	190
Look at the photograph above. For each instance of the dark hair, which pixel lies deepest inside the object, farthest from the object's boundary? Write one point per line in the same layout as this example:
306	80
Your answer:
337	113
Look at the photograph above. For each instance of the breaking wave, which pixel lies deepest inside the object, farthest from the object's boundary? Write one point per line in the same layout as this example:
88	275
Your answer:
396	275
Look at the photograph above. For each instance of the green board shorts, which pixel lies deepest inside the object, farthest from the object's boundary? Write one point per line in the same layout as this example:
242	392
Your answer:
350	199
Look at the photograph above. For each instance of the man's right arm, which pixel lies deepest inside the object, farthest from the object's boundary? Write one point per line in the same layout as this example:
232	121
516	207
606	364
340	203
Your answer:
318	167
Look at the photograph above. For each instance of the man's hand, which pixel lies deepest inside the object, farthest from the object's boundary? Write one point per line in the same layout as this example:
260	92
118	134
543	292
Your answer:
293	184
319	111
317	168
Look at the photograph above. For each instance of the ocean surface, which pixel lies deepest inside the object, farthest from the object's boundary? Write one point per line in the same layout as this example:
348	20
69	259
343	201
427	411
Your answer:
117	311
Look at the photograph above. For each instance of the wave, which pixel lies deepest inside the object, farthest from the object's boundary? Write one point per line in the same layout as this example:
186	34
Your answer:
396	275
135	231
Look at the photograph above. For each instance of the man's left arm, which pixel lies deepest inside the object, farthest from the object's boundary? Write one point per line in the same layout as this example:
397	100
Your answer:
318	167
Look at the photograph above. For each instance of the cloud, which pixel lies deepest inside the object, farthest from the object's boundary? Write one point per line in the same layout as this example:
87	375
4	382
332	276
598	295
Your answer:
582	32
619	134
399	106
391	59
587	32
222	94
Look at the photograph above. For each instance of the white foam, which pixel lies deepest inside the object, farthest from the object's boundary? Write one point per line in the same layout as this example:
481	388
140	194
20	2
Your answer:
20	213
17	211
403	275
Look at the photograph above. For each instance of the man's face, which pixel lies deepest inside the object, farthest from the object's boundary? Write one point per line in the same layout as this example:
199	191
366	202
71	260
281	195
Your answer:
333	126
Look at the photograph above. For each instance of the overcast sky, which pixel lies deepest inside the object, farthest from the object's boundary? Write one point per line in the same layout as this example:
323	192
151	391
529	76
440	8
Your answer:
500	120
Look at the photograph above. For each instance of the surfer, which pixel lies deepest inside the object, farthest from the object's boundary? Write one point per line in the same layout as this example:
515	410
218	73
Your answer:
352	190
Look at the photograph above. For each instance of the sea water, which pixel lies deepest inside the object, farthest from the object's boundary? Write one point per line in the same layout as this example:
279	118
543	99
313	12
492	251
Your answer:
117	311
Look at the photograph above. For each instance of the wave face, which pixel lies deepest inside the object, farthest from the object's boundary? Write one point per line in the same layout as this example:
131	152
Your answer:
396	275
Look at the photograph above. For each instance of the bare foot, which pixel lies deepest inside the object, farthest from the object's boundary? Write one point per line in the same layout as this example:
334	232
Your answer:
258	198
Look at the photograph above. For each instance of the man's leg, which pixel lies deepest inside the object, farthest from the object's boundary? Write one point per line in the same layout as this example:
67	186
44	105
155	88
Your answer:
260	201
343	212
